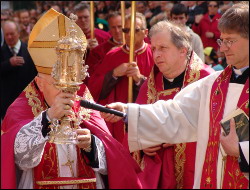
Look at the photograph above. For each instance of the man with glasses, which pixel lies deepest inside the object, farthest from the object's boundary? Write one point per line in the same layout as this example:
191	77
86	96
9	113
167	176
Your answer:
196	112
109	83
207	26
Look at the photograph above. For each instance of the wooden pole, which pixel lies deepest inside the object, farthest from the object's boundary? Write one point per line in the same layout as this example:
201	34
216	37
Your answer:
123	19
92	21
131	49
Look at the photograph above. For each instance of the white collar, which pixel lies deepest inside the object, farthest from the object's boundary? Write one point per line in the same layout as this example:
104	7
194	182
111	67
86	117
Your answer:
116	41
141	48
170	80
239	71
17	47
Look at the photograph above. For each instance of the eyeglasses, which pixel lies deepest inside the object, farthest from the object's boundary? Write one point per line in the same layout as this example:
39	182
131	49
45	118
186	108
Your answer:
127	30
227	43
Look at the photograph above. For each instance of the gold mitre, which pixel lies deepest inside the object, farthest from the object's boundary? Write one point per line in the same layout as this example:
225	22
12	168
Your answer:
44	37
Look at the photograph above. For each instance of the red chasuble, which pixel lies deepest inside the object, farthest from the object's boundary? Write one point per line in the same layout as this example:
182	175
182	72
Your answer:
172	167
233	178
119	93
28	105
97	54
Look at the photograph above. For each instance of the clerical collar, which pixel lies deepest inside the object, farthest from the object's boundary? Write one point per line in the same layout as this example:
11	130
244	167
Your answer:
16	47
143	46
116	41
239	72
174	83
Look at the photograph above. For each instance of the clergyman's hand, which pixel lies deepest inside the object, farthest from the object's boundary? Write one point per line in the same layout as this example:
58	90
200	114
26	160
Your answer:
111	117
62	106
92	43
151	151
230	143
84	138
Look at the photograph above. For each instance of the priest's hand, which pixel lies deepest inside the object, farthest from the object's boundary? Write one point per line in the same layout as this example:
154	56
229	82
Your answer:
111	117
121	70
151	151
84	138
92	43
61	106
230	143
134	71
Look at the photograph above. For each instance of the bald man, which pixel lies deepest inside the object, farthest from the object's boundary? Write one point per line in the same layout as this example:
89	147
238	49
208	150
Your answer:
17	67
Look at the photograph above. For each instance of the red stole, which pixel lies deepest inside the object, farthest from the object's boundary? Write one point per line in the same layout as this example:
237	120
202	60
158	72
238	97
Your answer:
172	167
233	177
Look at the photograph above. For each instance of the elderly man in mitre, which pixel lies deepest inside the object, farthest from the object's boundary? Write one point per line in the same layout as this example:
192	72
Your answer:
29	160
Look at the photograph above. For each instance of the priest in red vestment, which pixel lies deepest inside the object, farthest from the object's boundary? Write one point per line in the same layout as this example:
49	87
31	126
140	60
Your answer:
82	11
30	160
177	65
97	54
109	83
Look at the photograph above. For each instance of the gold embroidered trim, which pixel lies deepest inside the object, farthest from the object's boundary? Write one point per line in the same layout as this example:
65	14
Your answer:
85	113
33	99
70	182
195	68
151	93
43	44
61	25
167	92
180	159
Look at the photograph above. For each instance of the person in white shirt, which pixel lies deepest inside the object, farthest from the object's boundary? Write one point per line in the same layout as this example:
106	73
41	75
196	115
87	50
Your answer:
195	113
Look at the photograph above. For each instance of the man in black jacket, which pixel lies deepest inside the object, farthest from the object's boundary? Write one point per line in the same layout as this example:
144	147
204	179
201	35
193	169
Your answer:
17	68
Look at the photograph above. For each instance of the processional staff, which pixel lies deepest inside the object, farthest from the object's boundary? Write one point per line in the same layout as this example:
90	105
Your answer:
123	19
131	50
92	21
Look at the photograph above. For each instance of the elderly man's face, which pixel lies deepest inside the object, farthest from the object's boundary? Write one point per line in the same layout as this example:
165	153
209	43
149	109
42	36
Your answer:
168	58
11	34
46	86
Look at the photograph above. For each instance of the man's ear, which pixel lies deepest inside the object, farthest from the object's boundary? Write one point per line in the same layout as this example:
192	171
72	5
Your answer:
146	32
39	83
183	52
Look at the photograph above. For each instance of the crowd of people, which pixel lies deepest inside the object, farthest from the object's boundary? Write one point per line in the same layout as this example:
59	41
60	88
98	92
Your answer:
191	65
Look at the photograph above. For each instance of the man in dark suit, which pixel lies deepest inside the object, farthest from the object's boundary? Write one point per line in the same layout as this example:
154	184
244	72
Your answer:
17	68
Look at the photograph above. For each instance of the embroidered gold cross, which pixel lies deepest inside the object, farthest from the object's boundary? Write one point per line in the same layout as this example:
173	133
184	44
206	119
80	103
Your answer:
69	164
